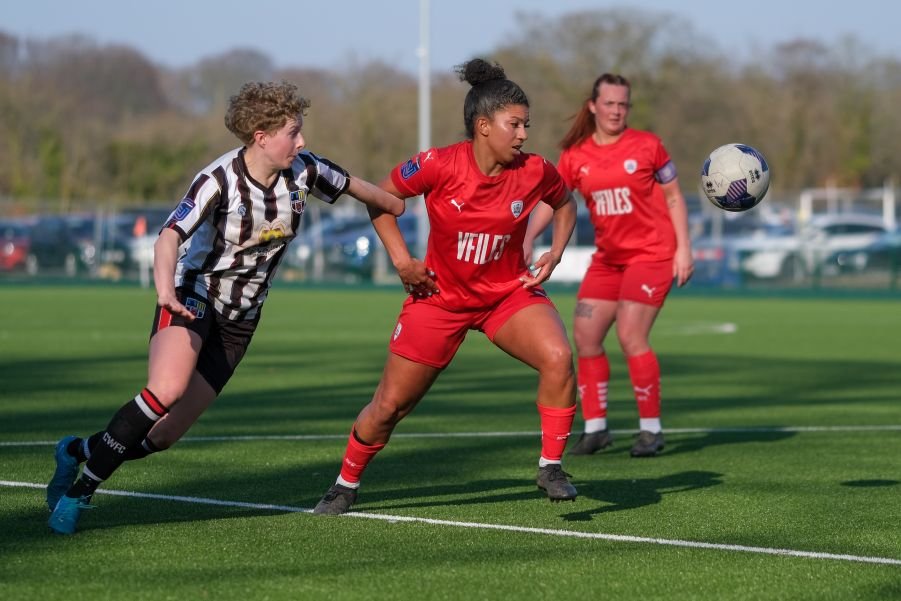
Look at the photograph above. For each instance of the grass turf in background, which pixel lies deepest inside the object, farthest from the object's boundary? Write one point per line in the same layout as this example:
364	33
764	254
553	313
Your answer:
71	356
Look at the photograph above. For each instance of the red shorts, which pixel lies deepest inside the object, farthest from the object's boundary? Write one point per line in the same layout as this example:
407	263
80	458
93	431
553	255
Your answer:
429	334
646	283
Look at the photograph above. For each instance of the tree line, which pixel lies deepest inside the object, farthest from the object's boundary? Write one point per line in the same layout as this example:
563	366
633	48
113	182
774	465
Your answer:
83	123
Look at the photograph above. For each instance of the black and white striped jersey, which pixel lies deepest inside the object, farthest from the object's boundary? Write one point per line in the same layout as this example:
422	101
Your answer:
235	231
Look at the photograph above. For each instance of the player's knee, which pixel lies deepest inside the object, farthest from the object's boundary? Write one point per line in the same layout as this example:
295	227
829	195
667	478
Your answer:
167	392
557	362
587	345
633	344
388	410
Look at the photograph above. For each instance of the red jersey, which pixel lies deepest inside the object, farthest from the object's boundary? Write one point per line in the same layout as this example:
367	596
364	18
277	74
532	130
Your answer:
627	205
477	223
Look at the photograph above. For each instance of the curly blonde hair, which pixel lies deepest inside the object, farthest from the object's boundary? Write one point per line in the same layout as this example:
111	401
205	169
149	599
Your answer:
260	106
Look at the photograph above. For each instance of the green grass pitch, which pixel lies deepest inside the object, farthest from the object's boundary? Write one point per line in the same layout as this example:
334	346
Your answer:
784	433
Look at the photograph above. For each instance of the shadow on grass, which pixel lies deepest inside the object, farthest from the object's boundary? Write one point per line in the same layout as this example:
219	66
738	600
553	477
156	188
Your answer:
464	475
616	495
870	483
686	443
624	494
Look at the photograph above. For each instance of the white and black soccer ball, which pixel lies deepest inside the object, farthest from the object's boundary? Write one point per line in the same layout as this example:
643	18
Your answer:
735	177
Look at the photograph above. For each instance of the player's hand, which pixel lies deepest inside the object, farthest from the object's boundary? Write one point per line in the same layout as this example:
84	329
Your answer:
539	271
169	302
418	279
683	266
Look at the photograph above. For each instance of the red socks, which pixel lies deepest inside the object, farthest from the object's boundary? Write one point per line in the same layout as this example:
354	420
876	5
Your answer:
593	378
356	457
644	371
556	425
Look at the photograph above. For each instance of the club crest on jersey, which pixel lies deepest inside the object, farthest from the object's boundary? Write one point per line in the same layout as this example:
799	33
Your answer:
516	208
198	308
409	168
298	201
630	165
183	209
271	231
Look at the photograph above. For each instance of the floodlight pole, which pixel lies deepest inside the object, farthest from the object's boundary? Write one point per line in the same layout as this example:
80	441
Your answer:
425	110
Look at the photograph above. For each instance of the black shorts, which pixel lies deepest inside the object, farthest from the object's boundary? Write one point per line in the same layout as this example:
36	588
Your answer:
224	340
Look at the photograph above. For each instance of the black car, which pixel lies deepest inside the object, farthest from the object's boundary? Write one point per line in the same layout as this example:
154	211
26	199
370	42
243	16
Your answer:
351	253
884	254
53	247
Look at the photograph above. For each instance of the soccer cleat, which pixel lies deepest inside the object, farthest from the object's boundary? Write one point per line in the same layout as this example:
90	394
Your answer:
648	444
65	474
554	481
592	442
66	513
337	500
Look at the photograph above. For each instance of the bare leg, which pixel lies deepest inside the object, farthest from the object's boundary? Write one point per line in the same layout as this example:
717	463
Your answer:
535	335
402	386
195	400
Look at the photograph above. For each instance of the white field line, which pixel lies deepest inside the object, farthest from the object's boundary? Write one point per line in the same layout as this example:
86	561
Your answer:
259	437
700	327
622	538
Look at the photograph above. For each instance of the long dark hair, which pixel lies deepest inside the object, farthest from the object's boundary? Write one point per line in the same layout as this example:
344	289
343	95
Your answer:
583	123
490	92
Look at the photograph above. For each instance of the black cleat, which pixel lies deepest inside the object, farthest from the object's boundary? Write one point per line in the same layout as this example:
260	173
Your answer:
554	481
648	444
337	500
592	442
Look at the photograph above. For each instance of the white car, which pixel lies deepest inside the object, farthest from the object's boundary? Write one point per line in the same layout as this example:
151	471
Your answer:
803	253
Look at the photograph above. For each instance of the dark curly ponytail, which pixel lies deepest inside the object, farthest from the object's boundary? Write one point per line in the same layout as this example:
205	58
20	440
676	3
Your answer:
490	92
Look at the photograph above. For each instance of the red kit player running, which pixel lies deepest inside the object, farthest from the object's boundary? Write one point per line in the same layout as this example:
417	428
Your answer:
479	194
641	232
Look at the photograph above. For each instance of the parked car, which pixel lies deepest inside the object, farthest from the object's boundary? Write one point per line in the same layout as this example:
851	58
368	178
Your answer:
102	243
53	247
773	252
883	254
14	244
721	260
828	234
309	248
351	252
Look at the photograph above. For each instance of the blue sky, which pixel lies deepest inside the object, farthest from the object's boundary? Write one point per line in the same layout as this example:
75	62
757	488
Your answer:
328	33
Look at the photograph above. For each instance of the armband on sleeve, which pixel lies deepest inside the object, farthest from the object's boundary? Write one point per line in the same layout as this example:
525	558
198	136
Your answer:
666	174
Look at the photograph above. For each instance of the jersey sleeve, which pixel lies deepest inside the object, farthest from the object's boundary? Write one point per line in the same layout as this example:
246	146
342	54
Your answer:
564	167
327	180
664	169
416	176
553	186
201	198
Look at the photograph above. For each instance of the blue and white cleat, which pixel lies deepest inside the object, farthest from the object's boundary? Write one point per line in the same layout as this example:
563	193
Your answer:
65	474
66	513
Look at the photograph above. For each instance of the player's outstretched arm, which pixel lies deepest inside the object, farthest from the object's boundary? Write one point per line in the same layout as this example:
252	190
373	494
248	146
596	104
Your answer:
375	197
416	276
564	222
541	217
165	256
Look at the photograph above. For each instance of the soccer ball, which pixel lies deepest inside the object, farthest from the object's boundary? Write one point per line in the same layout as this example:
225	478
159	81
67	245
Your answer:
735	177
